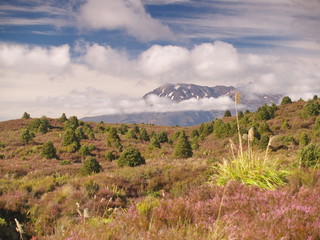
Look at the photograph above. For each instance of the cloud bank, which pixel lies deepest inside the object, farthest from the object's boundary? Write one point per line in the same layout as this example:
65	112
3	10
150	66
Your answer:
51	80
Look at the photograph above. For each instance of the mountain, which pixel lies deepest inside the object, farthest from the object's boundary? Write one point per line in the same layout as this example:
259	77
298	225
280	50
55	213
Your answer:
181	92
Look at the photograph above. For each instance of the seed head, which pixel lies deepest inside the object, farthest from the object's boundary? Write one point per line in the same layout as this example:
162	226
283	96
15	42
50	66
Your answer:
251	134
237	97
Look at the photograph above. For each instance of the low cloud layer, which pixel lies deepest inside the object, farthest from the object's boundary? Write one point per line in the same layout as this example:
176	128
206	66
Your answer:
48	80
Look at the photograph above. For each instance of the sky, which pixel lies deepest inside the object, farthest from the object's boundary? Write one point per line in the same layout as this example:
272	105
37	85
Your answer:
95	57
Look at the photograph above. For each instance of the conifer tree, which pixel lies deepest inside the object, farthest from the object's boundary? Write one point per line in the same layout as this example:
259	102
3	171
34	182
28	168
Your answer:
48	150
183	147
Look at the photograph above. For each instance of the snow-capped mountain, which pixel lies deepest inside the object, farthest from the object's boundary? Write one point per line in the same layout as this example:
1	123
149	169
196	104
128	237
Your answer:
180	92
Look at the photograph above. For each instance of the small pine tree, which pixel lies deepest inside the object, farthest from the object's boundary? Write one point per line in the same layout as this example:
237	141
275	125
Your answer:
286	100
163	137
183	147
26	115
130	157
48	150
154	143
144	135
311	108
90	166
63	118
26	135
110	156
227	113
310	155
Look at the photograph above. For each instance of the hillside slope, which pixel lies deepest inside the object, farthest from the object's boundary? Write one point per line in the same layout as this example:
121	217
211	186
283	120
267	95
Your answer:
168	196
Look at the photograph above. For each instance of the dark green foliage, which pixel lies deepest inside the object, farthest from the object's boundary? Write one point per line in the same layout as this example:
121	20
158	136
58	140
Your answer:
154	143
311	108
264	128
286	100
113	139
131	134
221	129
240	114
263	143
316	128
205	129
144	135
26	135
65	162
90	166
182	148
84	151
91	188
63	118
136	129
48	150
26	115
227	113
246	112
130	157
123	129
110	156
89	134
265	112
315	98
72	123
194	133
304	140
80	133
309	155
70	137
39	125
163	137
285	125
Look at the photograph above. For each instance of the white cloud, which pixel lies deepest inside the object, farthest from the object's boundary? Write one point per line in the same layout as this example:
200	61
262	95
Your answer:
129	15
162	59
215	60
47	81
23	58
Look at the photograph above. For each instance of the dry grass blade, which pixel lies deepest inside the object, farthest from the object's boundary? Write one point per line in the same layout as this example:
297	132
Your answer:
19	228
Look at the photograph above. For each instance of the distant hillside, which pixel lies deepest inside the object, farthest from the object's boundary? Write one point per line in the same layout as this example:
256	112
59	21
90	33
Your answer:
185	118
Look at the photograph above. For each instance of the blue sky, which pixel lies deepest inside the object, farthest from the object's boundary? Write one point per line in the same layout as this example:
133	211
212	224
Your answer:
90	57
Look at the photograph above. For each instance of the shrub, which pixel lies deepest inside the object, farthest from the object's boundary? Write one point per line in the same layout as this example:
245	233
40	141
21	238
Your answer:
285	125
286	100
227	113
91	188
26	135
90	166
144	135
48	150
84	150
26	115
131	134
70	138
311	108
130	157
163	137
110	156
154	143
304	140
265	112
221	129
123	129
316	127
65	162
63	118
310	155
263	143
183	147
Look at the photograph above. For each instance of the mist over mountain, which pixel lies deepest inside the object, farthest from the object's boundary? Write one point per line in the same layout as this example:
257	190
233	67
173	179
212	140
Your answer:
181	93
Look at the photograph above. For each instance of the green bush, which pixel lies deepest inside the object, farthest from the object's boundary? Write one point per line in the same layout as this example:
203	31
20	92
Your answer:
91	188
304	140
63	118
154	143
65	162
84	150
26	115
130	157
48	150
144	135
263	143
286	100
310	155
221	129
311	108
265	112
26	135
227	113
90	166
110	156
183	147
162	137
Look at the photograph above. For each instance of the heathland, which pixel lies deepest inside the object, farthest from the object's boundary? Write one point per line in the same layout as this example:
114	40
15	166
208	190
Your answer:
254	175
